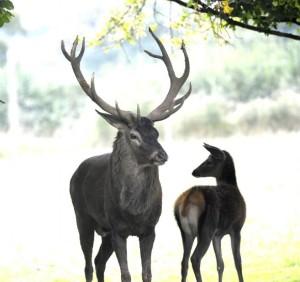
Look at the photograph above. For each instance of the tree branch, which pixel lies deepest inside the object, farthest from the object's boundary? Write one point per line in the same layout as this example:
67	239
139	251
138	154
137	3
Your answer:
203	8
262	30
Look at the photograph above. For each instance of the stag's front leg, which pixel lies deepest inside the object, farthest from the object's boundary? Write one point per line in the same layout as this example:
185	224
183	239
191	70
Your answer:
146	245
120	248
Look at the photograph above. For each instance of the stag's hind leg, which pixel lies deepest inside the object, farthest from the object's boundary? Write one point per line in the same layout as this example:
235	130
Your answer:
105	251
86	234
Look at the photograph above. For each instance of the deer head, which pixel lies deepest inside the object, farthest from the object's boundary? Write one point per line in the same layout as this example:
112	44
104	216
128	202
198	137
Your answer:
138	130
213	165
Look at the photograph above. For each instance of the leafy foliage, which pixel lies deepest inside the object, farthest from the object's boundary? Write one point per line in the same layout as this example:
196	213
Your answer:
260	16
243	72
267	14
215	116
5	11
247	80
43	110
190	17
234	92
125	24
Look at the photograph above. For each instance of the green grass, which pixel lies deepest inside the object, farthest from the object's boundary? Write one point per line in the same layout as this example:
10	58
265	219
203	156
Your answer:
270	261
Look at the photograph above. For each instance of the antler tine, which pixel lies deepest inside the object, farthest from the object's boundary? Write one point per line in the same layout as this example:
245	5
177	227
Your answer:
90	90
175	106
170	105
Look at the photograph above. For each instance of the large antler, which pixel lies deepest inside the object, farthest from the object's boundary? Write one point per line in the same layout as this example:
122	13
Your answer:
170	105
90	89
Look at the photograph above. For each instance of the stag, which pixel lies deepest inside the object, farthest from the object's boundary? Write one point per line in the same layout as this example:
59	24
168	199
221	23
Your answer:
119	194
211	212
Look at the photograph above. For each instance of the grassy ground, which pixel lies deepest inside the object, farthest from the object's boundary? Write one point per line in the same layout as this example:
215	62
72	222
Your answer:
39	241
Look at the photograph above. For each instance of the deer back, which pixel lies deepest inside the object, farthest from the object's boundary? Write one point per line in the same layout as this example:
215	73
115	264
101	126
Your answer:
220	165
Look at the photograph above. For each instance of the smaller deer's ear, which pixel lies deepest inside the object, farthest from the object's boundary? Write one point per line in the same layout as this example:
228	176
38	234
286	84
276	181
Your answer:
215	152
114	121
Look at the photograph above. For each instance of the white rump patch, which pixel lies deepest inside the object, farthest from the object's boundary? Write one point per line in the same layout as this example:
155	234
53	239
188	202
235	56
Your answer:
189	223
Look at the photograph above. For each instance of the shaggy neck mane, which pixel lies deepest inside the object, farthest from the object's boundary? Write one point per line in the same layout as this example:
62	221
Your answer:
135	184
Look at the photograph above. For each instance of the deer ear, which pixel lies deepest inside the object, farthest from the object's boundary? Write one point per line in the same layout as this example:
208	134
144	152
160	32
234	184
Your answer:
215	152
114	121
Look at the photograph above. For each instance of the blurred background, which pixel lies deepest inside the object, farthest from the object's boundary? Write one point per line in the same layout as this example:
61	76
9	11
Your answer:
245	99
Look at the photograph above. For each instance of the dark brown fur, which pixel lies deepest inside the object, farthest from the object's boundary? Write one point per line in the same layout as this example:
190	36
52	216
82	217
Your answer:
222	211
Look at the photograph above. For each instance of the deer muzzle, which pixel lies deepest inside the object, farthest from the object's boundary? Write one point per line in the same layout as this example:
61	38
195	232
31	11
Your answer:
159	157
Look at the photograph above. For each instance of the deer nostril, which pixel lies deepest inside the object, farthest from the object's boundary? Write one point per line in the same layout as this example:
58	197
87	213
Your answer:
195	173
161	157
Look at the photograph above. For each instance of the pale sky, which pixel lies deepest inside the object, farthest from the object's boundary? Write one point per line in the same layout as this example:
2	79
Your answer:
61	16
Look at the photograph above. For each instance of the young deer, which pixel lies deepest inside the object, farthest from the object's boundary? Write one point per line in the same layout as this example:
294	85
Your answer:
210	212
119	194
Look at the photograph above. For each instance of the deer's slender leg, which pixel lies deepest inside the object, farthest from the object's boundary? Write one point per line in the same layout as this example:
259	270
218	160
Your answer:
218	253
200	251
205	235
86	235
105	251
187	241
235	245
120	247
146	245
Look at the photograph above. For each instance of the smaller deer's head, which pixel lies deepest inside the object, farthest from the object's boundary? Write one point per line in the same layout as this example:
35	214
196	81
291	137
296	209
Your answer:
213	166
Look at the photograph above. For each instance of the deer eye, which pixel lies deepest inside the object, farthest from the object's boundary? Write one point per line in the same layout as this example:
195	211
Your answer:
133	136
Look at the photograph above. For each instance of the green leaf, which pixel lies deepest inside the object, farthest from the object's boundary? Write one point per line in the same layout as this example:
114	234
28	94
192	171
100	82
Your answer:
6	4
